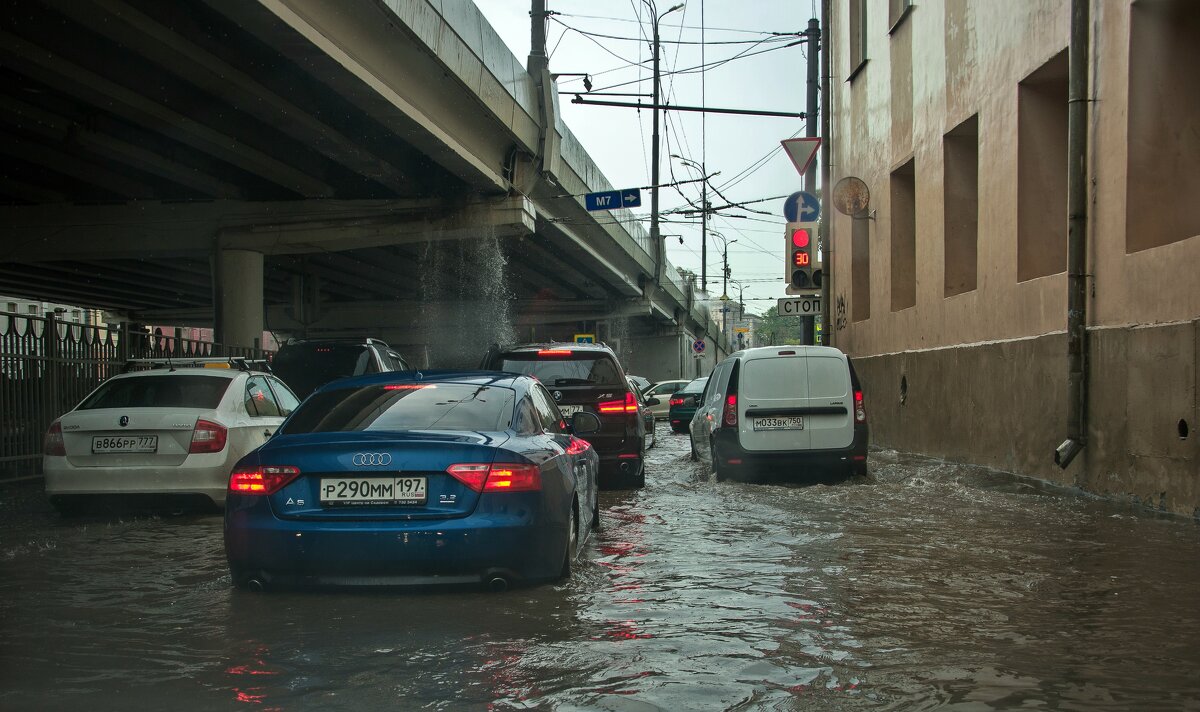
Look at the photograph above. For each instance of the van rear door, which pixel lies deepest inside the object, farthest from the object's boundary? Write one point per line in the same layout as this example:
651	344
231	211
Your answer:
795	401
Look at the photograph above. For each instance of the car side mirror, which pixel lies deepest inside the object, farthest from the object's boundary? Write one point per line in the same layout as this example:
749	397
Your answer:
652	401
585	423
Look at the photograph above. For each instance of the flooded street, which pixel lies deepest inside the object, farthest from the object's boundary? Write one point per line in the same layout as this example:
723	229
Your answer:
929	586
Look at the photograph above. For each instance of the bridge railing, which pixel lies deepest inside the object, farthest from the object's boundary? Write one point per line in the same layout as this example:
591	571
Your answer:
47	366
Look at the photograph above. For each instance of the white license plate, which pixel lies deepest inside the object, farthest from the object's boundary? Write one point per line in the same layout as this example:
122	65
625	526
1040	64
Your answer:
372	490
569	410
124	443
791	422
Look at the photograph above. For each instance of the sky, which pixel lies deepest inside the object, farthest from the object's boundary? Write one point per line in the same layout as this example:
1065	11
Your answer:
742	151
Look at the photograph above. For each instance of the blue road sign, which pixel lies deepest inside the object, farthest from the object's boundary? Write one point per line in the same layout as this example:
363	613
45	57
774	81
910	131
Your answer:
802	206
698	346
613	199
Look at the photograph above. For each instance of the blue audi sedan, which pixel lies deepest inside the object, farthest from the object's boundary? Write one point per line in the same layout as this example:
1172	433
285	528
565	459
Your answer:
415	478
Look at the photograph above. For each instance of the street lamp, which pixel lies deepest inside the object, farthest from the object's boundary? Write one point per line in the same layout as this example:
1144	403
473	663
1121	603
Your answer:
654	236
703	219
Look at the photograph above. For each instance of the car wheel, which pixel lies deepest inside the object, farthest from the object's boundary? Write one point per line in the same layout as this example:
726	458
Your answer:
718	474
572	542
694	455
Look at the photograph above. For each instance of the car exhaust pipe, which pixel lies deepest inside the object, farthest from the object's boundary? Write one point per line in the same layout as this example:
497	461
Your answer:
625	468
255	585
497	584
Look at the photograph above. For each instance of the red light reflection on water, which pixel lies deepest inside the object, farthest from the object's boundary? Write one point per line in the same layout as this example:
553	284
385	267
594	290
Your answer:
253	695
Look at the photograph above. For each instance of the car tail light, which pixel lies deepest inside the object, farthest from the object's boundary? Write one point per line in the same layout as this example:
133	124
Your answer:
675	401
262	480
498	477
730	416
628	405
860	409
554	352
53	444
577	446
208	437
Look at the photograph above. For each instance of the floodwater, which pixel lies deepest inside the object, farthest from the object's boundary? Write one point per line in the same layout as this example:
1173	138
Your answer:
927	586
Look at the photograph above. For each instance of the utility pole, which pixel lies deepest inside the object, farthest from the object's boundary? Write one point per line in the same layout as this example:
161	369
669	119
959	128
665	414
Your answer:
825	228
808	323
659	247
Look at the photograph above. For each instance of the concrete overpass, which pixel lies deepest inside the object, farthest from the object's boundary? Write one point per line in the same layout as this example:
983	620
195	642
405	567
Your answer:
315	167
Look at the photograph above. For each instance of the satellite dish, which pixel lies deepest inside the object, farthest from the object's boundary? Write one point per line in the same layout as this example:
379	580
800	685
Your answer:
851	196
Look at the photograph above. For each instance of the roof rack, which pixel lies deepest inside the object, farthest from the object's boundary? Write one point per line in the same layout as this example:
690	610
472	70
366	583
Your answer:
240	363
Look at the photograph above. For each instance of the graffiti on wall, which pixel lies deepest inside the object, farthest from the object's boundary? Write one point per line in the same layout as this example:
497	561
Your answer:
839	314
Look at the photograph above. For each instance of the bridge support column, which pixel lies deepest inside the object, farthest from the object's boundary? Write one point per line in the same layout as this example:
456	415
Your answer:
238	297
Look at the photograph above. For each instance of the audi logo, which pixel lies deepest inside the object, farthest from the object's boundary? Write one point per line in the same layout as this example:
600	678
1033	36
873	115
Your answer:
364	459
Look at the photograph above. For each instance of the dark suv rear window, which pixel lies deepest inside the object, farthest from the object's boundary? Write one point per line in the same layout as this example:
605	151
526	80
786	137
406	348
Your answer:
306	367
576	368
174	391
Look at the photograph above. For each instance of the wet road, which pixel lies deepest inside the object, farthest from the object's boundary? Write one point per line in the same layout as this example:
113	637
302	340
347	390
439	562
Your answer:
928	586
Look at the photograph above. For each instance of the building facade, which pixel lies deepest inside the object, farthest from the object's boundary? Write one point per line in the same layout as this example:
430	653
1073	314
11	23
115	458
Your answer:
950	287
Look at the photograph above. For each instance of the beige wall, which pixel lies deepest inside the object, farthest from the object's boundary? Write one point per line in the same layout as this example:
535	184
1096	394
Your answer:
986	368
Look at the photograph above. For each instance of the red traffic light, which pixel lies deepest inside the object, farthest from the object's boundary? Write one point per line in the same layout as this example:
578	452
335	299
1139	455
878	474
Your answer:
800	237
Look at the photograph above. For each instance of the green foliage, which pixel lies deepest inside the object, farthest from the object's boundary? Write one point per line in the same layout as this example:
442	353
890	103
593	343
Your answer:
779	330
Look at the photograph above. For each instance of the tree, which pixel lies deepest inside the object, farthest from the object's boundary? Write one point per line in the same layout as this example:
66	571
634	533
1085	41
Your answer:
779	330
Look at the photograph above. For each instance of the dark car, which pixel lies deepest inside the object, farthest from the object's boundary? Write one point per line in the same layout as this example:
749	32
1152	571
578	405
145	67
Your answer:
587	378
684	403
307	364
415	478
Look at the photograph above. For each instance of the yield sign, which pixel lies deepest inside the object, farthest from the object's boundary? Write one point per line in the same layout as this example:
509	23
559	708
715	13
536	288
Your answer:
801	151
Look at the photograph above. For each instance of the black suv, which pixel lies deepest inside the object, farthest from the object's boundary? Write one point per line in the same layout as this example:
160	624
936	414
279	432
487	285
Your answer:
587	377
307	364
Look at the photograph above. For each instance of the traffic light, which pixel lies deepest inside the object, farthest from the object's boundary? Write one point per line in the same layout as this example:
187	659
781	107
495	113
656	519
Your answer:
801	271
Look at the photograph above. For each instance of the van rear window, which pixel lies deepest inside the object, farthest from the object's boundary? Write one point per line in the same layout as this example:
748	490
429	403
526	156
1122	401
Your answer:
786	378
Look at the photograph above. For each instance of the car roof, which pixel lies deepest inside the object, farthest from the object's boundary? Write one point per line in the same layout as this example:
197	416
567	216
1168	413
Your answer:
770	351
467	377
568	345
189	371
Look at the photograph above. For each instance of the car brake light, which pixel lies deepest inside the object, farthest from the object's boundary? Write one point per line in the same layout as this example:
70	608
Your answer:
407	386
860	409
731	410
675	401
577	446
262	480
54	444
628	405
208	437
554	352
498	477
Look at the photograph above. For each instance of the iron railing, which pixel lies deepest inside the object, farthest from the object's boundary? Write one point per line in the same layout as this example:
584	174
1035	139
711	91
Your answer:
47	366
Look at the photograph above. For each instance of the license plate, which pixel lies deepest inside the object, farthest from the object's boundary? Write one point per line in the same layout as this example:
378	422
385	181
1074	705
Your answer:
373	490
569	410
126	443
791	422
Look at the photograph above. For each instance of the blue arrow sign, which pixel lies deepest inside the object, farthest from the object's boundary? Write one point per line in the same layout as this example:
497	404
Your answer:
607	200
631	198
802	206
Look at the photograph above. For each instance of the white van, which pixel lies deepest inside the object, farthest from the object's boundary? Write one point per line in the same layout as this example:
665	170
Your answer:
785	411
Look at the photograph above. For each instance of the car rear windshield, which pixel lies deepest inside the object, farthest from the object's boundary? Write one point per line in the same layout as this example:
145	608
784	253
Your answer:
306	367
696	386
167	391
577	368
406	406
784	377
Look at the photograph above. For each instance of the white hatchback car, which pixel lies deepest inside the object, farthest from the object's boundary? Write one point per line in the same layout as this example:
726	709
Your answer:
174	429
784	411
663	390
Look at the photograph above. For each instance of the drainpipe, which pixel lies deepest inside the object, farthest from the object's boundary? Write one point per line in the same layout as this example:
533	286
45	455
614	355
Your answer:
1077	372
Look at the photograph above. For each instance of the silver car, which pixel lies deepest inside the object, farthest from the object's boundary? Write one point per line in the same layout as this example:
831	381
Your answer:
165	431
663	391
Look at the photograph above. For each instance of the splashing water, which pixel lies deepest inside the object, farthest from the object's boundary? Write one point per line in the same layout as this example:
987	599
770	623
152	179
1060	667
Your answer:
466	298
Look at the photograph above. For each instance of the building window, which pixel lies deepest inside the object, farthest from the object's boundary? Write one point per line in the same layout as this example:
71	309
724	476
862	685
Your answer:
960	150
904	236
860	268
858	36
1042	170
12	307
1164	103
897	11
33	309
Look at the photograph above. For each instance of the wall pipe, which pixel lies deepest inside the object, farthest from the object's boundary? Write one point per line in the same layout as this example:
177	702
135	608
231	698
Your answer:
1077	106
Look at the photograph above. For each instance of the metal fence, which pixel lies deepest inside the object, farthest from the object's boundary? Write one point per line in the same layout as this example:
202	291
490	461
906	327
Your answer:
47	366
